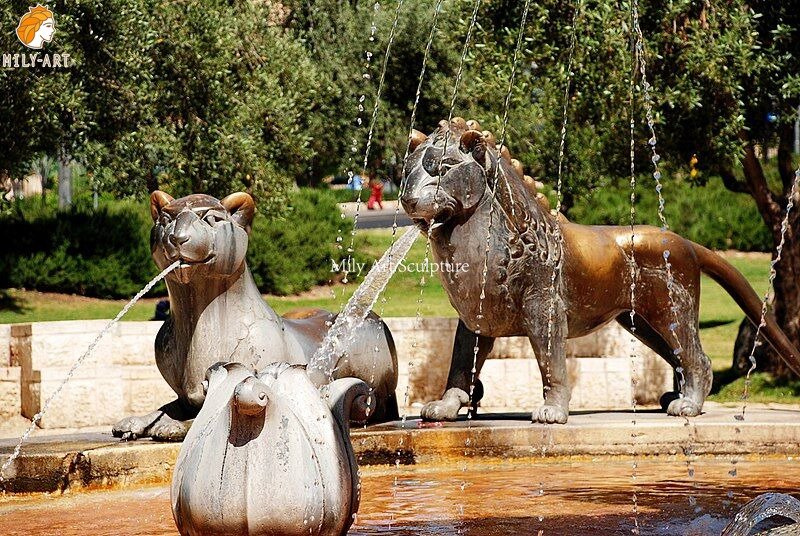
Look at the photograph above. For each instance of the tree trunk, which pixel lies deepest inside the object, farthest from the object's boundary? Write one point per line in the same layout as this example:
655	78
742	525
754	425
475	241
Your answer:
64	181
787	298
151	181
786	304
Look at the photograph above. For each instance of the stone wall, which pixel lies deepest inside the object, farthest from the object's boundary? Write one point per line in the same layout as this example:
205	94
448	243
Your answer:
602	373
120	378
9	376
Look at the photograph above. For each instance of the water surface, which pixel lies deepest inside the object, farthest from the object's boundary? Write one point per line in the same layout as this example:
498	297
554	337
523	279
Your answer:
566	496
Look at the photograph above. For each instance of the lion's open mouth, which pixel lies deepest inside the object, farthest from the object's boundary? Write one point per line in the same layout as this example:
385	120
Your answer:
188	262
426	225
186	268
441	217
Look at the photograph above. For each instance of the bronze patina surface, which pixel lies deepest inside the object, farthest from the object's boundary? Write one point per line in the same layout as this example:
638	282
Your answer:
474	198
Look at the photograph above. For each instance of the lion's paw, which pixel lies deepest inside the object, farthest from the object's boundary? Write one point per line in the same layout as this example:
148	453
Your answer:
132	427
548	414
683	407
440	410
668	398
169	430
447	408
157	425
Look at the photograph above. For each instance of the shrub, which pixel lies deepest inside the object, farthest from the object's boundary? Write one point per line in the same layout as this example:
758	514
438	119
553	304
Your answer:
105	253
291	253
710	215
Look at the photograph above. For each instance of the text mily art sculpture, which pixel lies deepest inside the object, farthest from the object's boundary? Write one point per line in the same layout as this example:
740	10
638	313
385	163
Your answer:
268	456
480	208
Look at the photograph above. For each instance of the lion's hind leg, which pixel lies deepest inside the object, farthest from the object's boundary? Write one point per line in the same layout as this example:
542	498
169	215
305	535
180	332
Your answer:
650	338
681	348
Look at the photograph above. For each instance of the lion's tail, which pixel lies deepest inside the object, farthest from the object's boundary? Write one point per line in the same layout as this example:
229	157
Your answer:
740	290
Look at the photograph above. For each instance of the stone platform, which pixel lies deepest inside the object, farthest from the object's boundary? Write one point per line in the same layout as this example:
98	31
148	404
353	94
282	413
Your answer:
607	369
57	463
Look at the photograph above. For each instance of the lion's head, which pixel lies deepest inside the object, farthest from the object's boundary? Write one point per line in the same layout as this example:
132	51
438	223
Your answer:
207	235
446	174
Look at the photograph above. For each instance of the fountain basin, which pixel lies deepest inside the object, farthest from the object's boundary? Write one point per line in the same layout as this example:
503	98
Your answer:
485	496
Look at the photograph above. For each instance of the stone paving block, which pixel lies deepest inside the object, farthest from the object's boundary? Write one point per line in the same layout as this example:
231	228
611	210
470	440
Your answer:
5	345
9	392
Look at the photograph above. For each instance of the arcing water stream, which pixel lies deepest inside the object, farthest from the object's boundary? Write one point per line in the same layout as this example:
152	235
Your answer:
36	418
327	355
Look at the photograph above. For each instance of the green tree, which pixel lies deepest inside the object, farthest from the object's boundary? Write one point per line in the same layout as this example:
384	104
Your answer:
726	84
339	36
208	96
41	109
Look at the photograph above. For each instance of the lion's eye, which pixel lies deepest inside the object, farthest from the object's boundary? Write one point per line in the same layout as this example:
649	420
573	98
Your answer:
447	166
165	219
211	219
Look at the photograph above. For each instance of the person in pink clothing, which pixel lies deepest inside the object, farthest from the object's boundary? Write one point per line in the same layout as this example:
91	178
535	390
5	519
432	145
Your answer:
376	193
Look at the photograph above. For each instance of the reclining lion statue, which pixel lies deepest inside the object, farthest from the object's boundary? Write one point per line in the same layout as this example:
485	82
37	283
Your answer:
461	194
218	315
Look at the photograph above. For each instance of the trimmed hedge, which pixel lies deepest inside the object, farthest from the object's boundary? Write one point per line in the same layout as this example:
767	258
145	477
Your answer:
710	215
105	253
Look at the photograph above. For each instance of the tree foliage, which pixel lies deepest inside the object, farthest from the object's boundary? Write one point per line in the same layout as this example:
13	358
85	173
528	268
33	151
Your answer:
207	96
218	95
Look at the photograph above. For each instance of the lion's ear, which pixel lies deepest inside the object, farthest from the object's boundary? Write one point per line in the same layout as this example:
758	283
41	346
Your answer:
473	141
241	207
415	139
159	200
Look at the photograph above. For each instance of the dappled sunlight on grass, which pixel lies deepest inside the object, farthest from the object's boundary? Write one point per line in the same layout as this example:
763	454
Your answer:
719	314
763	389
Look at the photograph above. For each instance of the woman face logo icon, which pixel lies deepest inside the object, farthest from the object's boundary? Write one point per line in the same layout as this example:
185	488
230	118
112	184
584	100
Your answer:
36	27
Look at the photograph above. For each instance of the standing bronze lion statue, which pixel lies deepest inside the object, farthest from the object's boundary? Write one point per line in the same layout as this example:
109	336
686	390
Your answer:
459	186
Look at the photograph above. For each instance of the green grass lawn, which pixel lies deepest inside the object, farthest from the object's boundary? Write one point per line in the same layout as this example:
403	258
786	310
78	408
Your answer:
407	294
401	298
719	314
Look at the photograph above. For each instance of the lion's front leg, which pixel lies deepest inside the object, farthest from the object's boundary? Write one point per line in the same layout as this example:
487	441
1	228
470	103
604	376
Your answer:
552	361
170	422
461	378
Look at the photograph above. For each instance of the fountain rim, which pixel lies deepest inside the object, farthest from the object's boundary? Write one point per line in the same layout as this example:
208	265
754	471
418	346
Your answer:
93	460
